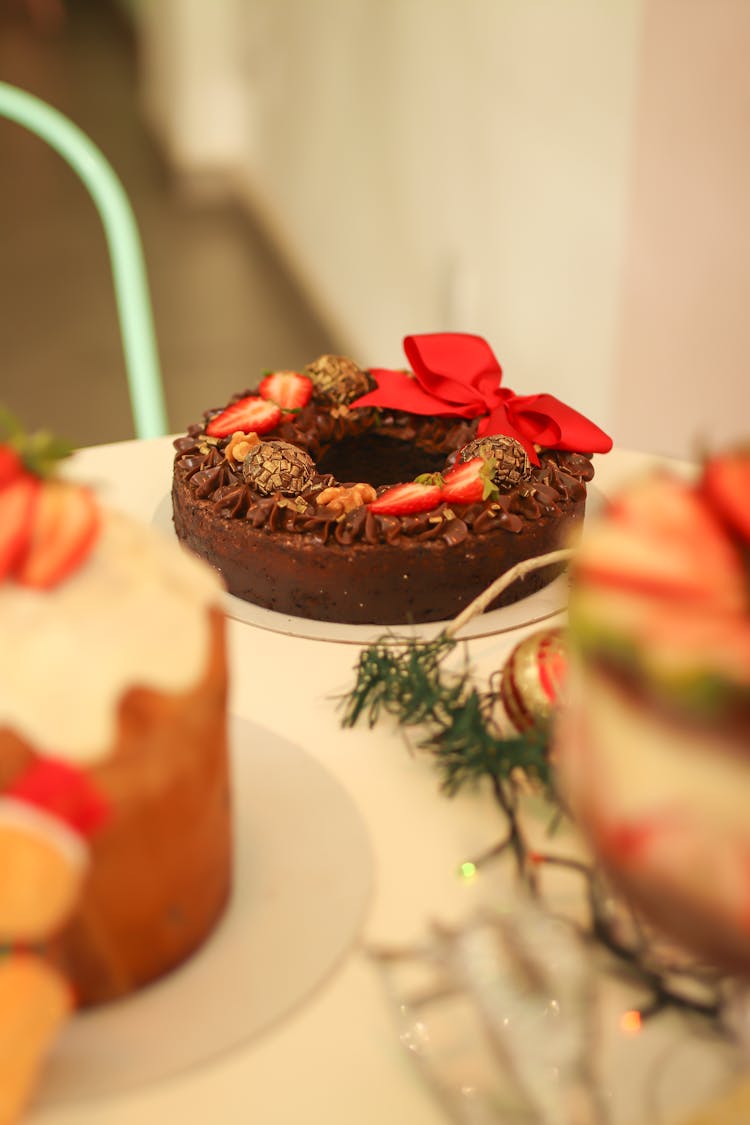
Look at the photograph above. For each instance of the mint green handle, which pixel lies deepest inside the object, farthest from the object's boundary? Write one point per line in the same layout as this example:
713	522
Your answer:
126	255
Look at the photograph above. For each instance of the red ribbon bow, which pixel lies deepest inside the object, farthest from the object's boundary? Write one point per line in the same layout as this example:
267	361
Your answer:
456	374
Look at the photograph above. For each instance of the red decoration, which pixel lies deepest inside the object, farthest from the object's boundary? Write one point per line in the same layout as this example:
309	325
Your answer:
63	791
456	374
533	679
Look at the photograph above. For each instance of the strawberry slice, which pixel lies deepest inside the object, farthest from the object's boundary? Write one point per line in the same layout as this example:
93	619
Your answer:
726	483
469	482
64	529
626	560
250	415
660	539
17	504
288	389
11	465
667	507
407	499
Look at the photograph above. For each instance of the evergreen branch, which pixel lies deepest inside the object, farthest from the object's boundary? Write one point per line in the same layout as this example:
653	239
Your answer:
403	677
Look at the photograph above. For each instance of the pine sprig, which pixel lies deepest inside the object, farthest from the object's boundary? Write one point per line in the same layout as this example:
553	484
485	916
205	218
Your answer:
466	747
404	677
400	676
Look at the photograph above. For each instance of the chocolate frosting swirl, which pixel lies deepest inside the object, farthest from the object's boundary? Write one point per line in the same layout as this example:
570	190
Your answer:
559	480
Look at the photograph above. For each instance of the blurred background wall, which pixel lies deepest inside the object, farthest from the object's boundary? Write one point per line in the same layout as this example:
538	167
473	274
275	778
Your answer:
568	178
423	165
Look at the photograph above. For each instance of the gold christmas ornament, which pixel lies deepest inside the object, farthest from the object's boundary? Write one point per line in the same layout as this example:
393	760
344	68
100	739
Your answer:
337	379
511	460
532	680
278	466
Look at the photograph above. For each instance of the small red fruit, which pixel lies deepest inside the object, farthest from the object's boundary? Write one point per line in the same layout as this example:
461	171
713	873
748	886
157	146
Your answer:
407	499
18	501
11	465
288	389
726	483
661	539
63	530
59	788
469	482
250	415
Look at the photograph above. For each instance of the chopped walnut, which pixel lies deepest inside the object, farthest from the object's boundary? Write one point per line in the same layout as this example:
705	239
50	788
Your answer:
341	499
239	445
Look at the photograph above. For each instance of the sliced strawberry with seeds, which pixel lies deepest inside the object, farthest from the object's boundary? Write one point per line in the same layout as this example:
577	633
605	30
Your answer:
663	506
11	465
17	504
288	389
250	415
726	483
626	559
469	482
407	499
64	528
660	539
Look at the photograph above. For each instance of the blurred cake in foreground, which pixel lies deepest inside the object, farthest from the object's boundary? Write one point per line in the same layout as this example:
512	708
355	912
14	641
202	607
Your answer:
653	751
115	838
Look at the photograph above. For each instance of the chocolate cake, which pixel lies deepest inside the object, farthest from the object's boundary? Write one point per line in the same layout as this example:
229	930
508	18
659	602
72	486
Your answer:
332	494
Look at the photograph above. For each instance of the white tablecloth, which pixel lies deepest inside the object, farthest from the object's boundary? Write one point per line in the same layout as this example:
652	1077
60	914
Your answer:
336	1058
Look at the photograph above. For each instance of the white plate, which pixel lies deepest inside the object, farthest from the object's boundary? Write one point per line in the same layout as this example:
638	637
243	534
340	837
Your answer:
303	875
539	606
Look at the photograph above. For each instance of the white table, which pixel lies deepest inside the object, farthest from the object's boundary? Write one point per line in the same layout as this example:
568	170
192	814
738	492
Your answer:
336	1058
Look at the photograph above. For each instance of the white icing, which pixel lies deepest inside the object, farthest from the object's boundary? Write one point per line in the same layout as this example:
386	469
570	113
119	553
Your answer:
133	615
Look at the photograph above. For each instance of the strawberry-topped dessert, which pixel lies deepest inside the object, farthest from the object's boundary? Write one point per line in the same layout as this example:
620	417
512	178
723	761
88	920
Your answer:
47	526
653	750
379	496
115	849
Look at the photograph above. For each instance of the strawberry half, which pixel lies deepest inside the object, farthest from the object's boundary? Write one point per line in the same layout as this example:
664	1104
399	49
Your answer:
660	539
726	484
469	482
407	499
17	504
63	530
11	465
288	389
250	415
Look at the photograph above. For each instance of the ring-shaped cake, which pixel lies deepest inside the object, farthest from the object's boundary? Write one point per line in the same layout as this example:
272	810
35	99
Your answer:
332	507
